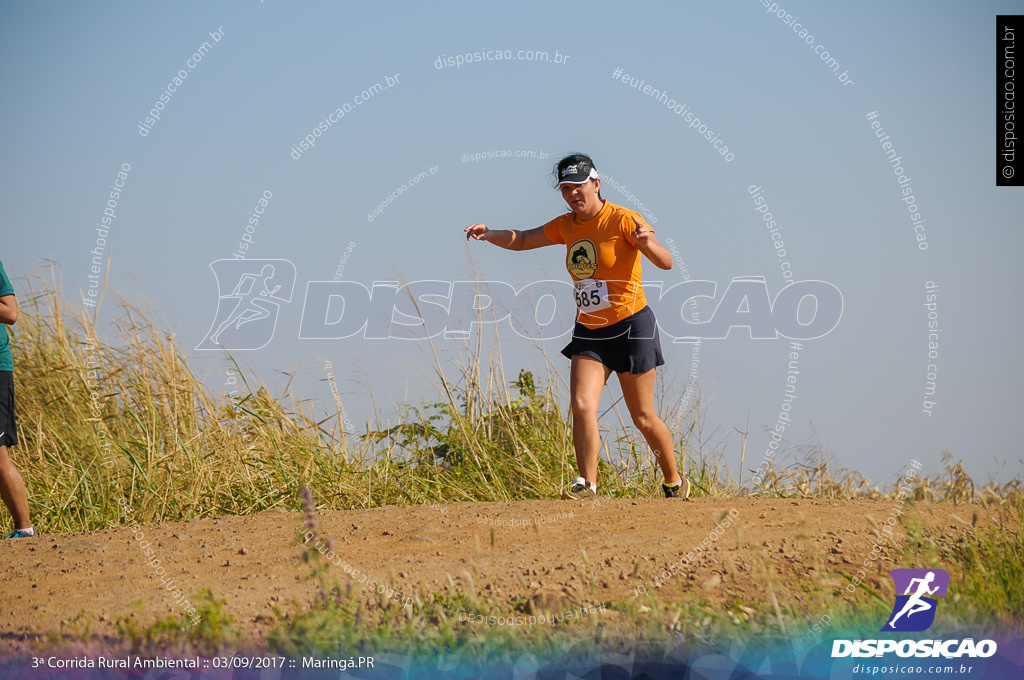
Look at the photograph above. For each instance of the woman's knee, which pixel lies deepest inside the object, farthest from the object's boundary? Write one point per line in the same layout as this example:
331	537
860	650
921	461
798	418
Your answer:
584	405
646	421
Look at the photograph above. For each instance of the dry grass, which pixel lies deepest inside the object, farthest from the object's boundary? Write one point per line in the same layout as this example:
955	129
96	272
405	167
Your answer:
105	421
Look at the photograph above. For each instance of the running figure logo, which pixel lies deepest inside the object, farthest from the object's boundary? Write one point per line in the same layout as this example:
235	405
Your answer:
247	316
914	610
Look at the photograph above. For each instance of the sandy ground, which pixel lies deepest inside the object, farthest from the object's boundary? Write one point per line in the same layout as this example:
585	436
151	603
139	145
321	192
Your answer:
254	562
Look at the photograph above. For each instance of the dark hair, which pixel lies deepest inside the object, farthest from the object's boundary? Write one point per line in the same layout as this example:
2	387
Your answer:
572	159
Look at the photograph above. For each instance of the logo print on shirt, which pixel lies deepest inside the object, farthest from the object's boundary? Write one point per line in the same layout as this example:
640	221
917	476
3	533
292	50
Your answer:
581	259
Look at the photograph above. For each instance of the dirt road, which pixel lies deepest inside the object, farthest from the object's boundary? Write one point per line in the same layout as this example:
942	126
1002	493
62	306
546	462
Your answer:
489	549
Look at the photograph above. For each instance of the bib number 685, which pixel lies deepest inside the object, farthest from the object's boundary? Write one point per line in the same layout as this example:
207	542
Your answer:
591	295
586	298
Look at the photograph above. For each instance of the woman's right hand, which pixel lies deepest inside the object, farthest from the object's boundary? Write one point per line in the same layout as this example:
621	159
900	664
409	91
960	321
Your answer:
476	231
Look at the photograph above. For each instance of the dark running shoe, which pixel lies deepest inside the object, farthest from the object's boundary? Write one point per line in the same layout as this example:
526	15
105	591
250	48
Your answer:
680	490
578	491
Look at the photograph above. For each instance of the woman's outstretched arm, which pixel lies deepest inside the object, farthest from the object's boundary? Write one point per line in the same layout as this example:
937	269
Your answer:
510	239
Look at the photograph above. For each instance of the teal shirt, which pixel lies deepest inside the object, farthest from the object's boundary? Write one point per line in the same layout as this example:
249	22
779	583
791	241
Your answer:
6	360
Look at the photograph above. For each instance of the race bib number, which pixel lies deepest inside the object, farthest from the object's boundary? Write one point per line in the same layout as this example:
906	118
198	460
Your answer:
591	295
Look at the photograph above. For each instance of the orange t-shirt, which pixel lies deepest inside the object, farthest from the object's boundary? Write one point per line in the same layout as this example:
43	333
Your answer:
605	267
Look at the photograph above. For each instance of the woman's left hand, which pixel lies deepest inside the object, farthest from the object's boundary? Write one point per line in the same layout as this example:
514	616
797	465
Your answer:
642	233
647	243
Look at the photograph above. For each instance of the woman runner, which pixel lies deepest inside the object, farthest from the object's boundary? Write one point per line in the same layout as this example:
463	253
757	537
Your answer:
615	330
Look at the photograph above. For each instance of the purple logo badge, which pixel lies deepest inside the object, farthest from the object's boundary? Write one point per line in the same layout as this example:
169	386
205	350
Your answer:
914	609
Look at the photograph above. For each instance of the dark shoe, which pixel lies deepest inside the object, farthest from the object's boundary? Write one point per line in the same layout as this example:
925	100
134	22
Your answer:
579	491
681	490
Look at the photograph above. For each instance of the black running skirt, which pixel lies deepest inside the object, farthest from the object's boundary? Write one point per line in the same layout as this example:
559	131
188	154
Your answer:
628	346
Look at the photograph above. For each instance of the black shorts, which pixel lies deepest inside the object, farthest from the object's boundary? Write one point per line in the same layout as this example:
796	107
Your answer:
8	428
628	346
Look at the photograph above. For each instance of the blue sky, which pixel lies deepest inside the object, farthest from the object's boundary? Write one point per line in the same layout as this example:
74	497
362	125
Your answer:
79	78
